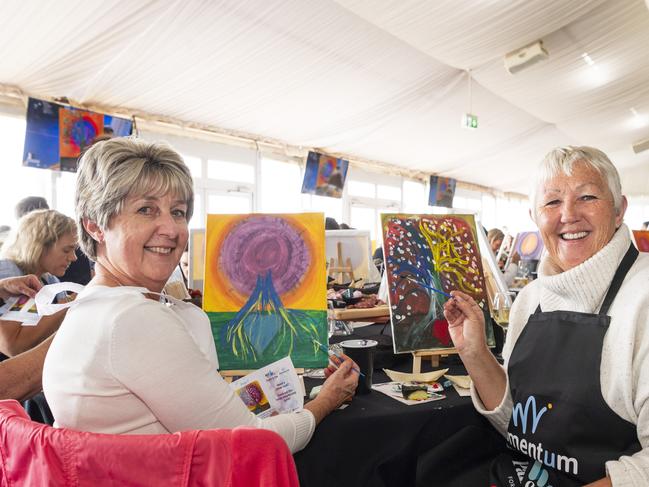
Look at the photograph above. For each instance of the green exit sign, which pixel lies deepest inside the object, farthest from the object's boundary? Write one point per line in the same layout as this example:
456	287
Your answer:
470	121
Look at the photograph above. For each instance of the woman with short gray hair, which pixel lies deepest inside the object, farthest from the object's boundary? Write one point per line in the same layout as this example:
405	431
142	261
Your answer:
572	399
144	367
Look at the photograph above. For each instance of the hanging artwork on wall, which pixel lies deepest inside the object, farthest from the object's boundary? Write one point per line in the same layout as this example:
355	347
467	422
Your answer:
265	289
442	191
56	134
324	175
423	252
641	238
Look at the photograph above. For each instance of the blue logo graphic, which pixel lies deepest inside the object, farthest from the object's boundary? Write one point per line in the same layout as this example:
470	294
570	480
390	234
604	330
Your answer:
521	413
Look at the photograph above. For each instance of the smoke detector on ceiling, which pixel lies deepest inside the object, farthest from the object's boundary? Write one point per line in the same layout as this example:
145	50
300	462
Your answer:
641	145
525	57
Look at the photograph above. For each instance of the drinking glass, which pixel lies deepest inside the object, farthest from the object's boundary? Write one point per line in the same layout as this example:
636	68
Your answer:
502	303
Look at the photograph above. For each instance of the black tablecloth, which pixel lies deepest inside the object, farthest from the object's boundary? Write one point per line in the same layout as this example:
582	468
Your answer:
377	441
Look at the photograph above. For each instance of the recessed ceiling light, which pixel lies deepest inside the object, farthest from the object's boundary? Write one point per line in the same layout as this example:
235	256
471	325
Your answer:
638	120
587	59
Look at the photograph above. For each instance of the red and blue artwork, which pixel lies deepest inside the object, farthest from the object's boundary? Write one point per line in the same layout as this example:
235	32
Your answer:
56	134
426	254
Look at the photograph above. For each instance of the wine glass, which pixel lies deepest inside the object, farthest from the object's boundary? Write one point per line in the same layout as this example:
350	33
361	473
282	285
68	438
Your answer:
331	320
502	303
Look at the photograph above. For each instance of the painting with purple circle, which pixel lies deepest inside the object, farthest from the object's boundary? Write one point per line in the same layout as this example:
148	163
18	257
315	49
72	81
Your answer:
265	288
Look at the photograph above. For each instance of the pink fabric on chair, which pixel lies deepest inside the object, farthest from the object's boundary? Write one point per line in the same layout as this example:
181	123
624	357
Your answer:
36	454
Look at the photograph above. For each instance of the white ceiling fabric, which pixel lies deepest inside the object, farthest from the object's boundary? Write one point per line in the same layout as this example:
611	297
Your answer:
381	80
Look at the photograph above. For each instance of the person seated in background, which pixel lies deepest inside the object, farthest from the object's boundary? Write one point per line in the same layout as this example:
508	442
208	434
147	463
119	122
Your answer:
80	270
42	244
577	348
20	377
29	204
144	367
331	224
495	237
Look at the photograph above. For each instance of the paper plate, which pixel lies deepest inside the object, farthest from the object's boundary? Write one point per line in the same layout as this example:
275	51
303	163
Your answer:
463	381
421	377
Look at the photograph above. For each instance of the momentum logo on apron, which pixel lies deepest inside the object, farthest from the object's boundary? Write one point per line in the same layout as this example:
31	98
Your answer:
530	415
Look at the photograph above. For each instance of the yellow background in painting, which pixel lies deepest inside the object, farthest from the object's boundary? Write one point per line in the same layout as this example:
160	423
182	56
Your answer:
309	294
198	254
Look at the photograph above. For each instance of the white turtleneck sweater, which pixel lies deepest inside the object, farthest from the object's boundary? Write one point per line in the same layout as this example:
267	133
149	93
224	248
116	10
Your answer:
624	370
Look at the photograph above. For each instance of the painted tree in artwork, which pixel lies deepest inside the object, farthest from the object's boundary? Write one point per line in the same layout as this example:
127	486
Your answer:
424	251
266	288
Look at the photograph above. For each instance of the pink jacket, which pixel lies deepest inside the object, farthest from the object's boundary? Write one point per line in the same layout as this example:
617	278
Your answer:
33	454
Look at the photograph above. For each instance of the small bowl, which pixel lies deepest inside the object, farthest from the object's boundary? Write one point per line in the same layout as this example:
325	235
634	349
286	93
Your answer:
338	303
340	287
370	288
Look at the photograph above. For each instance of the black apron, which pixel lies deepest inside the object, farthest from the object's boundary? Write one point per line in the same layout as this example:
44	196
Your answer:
560	420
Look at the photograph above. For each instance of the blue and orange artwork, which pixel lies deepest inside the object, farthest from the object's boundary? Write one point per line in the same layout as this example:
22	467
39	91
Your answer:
56	134
423	252
324	175
265	289
442	191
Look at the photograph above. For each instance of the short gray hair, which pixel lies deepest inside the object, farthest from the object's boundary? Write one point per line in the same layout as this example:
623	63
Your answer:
112	170
563	159
36	232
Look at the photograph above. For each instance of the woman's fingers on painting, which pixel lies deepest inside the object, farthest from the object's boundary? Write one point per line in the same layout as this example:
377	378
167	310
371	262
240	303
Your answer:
466	322
467	305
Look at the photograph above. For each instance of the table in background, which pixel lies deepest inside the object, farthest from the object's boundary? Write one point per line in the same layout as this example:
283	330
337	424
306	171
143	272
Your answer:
375	441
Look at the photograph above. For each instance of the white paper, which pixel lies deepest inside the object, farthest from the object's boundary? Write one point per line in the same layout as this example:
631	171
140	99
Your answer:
46	295
271	390
21	309
391	389
461	391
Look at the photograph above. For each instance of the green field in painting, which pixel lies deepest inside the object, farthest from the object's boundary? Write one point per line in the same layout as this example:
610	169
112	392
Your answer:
303	354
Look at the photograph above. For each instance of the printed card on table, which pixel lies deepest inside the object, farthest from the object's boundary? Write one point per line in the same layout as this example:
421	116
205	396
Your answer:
271	390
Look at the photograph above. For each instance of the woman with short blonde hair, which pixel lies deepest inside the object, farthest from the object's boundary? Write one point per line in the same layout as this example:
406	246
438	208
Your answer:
43	244
144	367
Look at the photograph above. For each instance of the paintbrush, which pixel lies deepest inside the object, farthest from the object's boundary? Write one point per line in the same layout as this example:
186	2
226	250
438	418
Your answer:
426	286
339	360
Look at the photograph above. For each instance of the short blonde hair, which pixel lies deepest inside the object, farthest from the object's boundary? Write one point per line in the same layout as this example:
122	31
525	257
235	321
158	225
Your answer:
36	232
112	170
495	234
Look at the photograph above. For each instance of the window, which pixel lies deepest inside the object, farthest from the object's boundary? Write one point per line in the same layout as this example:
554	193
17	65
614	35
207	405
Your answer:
385	192
361	188
280	185
18	181
65	184
230	171
232	202
195	165
331	207
415	199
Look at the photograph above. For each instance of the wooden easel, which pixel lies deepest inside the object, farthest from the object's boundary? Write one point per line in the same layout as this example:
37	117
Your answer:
434	357
341	269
